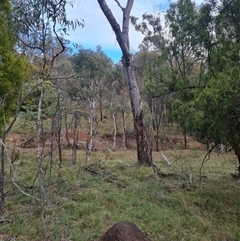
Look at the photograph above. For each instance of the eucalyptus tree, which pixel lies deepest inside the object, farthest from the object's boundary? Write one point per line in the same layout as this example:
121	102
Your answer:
156	88
116	101
144	153
62	77
184	62
91	68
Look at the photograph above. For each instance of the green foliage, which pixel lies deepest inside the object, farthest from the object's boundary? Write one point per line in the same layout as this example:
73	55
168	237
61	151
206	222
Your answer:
219	105
198	64
30	106
35	20
13	67
91	68
156	77
91	64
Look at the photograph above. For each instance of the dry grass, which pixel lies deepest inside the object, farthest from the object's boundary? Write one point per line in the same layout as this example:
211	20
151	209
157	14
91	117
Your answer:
83	202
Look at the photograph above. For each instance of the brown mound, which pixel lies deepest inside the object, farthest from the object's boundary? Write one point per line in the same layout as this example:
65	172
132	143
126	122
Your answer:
124	231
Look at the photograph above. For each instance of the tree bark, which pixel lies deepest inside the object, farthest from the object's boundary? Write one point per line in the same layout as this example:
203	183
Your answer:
124	131
2	172
236	149
115	132
144	153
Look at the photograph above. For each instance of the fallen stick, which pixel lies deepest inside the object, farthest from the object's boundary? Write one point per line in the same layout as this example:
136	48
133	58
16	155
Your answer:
165	159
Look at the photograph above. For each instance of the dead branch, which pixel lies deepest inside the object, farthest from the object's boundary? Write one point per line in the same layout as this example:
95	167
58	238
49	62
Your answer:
165	159
89	169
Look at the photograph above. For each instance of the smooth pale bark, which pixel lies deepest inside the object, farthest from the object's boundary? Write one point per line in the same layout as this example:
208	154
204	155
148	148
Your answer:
144	153
124	131
115	132
91	118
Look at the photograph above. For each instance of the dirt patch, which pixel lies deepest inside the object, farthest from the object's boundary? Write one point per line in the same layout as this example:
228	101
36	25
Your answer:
100	142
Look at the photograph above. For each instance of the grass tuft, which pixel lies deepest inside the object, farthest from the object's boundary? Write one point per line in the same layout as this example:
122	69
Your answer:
82	203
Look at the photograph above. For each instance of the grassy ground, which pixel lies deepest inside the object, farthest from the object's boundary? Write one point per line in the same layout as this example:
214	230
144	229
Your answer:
82	203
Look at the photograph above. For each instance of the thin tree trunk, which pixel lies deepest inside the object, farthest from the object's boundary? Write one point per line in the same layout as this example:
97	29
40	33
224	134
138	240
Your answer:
124	131
153	113
75	139
2	194
185	140
89	144
39	144
67	127
59	144
52	143
100	107
59	130
114	133
236	149
74	147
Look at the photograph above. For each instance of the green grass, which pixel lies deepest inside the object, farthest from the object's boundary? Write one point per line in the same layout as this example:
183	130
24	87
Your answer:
82	204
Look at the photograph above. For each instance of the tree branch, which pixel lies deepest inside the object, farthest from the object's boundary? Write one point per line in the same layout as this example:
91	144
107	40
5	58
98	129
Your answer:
118	3
206	158
122	36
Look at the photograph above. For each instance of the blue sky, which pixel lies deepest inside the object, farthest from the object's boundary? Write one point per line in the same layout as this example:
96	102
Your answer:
97	30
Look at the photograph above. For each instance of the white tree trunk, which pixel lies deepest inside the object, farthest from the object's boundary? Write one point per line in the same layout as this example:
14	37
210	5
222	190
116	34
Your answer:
39	144
144	154
124	131
91	119
115	132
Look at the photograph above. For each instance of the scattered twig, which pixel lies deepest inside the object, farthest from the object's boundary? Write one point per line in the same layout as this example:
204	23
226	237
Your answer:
165	159
105	174
87	168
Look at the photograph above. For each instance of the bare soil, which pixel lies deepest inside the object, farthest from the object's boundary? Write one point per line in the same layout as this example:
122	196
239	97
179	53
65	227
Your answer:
102	142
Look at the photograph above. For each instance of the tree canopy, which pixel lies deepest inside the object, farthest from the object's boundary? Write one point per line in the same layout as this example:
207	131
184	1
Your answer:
13	66
197	67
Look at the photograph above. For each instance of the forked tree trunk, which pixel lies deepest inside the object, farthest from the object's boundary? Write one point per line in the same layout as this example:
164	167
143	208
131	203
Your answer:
144	154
